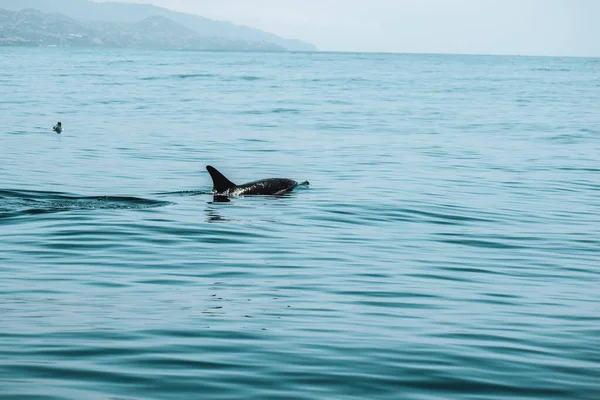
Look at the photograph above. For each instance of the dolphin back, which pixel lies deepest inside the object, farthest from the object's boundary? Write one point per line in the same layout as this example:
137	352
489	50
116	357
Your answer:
220	183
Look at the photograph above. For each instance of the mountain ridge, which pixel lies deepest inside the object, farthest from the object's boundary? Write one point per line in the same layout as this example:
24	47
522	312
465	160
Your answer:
85	10
31	27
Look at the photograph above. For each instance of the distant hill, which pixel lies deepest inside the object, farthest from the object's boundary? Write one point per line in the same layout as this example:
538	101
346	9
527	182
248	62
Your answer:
33	28
86	11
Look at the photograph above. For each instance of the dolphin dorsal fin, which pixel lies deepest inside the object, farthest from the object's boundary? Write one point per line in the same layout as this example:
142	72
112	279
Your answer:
220	182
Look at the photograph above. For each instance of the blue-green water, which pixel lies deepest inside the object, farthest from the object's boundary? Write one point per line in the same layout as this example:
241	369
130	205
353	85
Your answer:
448	246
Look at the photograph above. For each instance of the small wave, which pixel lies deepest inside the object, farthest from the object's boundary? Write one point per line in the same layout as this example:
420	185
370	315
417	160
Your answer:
579	169
184	193
547	69
444	218
277	110
113	101
150	78
27	202
480	243
18	132
124	62
486	241
250	78
186	76
285	110
252	112
177	76
338	102
326	126
252	140
566	138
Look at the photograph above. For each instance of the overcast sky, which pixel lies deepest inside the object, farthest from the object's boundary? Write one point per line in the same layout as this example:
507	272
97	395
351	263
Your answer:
533	27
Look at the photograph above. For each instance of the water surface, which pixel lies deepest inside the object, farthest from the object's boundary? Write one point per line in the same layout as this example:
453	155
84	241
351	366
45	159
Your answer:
447	247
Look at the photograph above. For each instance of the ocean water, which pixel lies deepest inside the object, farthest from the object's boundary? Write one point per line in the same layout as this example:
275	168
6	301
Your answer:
448	246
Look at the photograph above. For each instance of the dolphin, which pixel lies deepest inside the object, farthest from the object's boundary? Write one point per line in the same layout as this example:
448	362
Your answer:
223	187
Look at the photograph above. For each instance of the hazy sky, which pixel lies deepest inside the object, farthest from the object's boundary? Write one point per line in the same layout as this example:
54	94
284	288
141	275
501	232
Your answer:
538	27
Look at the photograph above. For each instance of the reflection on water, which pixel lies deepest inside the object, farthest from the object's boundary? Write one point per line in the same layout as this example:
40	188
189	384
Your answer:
214	215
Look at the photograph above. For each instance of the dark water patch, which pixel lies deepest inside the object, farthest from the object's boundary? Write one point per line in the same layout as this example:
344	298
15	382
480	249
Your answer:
117	62
378	294
76	373
335	127
523	101
210	235
251	140
23	132
64	350
549	69
107	284
224	336
151	78
285	110
113	101
104	83
177	76
93	75
339	102
17	102
263	126
35	394
242	78
585	185
185	193
439	277
250	78
180	363
15	203
490	241
469	271
199	75
166	282
277	110
567	138
481	243
443	218
386	213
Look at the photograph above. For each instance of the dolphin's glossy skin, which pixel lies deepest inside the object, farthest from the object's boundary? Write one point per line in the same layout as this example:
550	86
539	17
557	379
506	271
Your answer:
272	186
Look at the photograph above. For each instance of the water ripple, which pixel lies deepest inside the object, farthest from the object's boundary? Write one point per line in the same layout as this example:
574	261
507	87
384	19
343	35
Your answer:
446	249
